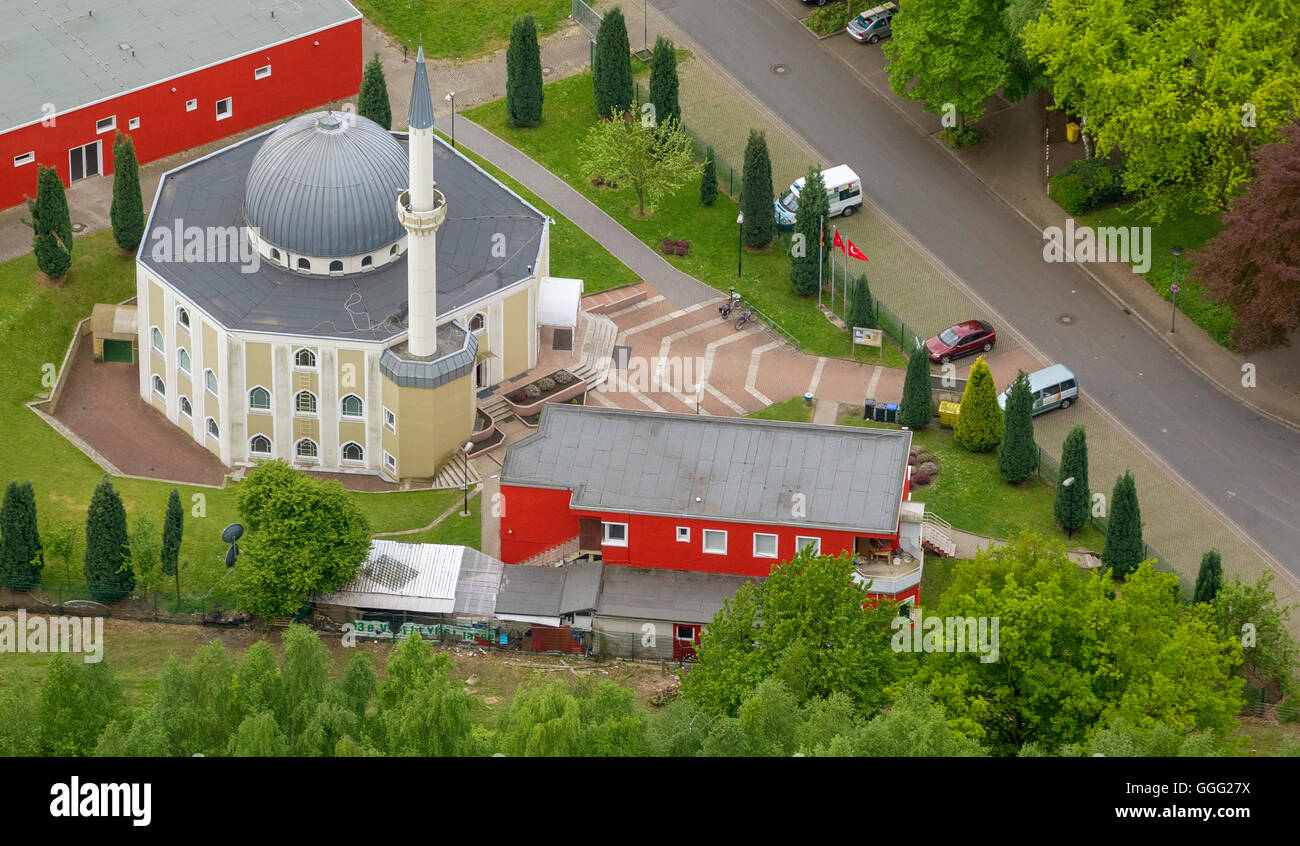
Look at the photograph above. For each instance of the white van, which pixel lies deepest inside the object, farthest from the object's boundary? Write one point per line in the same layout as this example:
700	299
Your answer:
1051	387
843	189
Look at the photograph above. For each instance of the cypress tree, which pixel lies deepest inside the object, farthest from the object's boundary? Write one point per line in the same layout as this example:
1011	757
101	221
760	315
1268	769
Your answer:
917	410
862	309
611	67
51	225
524	74
1018	454
1209	578
663	81
372	102
814	207
1072	500
173	530
21	558
127	212
709	180
979	425
1124	548
108	571
756	193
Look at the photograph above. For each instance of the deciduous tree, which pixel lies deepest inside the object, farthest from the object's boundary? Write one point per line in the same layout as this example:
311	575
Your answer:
1250	614
653	159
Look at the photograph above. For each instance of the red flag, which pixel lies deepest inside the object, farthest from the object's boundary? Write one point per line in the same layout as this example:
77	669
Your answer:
838	242
855	252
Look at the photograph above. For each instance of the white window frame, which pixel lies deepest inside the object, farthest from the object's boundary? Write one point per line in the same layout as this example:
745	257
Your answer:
299	456
183	318
315	401
390	420
481	329
155	382
230	107
112	124
390	463
253	409
209	425
262	73
183	362
314	360
270	445
606	540
776	545
24	158
157	340
343	411
192	104
181	402
356	461
133	123
683	534
207	387
799	544
704	538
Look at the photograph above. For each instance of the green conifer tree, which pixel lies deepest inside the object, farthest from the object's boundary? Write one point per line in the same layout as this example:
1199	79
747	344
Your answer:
663	81
373	102
524	74
759	227
127	211
108	572
51	225
1073	499
979	425
173	531
611	67
814	208
1018	453
918	409
709	180
21	556
1124	547
1209	578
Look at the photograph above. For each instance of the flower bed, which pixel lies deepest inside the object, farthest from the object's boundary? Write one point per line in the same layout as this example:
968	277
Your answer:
484	427
672	246
532	421
559	386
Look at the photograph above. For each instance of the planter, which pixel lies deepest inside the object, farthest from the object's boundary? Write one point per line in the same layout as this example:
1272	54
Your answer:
532	421
524	406
484	427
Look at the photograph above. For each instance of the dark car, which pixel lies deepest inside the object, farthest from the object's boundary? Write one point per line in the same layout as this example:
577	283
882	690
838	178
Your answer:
962	339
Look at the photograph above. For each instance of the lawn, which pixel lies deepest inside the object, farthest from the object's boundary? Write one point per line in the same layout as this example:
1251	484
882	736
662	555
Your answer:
461	29
764	277
969	493
792	410
454	529
1189	231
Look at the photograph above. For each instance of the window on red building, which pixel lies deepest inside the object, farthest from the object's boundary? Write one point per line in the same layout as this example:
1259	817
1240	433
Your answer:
615	534
764	545
715	541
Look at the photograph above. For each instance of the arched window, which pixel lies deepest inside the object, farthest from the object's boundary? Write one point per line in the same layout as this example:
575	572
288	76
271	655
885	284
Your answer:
304	358
210	381
336	266
183	360
478	322
303	264
259	398
305	402
212	428
392	251
159	387
156	335
352	406
366	261
275	254
185	407
353	452
260	445
306	448
182	316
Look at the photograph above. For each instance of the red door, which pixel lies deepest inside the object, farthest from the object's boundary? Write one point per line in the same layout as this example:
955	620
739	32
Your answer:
686	638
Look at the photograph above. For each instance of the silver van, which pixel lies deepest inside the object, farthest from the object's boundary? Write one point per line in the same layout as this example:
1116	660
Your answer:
1051	387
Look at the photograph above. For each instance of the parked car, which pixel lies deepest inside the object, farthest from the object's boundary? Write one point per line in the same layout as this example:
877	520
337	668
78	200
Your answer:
1051	387
843	192
873	24
961	339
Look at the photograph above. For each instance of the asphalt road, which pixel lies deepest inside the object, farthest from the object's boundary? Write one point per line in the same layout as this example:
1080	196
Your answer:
1245	464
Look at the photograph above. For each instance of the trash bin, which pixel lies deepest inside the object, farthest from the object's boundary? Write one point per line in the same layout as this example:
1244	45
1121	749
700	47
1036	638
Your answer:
869	409
948	413
891	412
880	413
1072	132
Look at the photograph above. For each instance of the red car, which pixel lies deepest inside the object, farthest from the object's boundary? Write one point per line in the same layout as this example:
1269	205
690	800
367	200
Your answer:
962	339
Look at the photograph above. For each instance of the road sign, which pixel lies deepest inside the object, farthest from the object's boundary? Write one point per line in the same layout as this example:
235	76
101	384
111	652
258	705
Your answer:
866	337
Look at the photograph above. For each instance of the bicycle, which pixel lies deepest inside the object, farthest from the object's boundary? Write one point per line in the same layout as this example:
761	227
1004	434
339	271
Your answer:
746	316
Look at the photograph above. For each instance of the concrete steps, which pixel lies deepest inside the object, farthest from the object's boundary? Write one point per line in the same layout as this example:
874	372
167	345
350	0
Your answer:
452	475
597	350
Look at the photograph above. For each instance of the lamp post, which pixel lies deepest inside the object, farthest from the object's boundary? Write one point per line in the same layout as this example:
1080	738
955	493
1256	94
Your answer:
699	394
740	243
464	455
1173	289
451	98
1065	483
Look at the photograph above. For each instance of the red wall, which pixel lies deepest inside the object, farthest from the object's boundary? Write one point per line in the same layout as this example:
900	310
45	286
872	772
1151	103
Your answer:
538	519
303	75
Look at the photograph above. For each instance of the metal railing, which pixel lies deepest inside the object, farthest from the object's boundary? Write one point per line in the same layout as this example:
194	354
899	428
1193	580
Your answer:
774	329
585	17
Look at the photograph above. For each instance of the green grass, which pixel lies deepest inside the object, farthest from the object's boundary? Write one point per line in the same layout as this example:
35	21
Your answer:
36	324
792	410
937	577
765	278
970	494
455	529
1189	231
460	28
574	253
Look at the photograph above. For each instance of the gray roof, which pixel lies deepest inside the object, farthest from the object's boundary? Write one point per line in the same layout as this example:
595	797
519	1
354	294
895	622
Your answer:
326	184
427	578
476	588
740	470
209	192
456	352
55	51
674	596
420	115
549	591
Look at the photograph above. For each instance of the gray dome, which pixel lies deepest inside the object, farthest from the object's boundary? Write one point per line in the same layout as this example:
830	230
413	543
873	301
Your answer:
326	184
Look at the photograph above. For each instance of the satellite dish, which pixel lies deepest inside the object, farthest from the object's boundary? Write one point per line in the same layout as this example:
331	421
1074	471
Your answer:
232	533
231	555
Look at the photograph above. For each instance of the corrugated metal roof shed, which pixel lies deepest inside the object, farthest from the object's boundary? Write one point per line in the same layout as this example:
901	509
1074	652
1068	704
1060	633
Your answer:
544	594
743	470
422	578
673	596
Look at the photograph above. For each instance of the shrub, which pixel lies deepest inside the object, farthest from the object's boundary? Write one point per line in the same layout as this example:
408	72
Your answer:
517	396
960	137
532	392
683	248
546	383
830	18
911	461
598	182
929	468
1086	185
563	377
920	479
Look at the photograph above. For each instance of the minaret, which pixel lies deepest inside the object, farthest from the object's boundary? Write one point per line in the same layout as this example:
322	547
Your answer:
421	208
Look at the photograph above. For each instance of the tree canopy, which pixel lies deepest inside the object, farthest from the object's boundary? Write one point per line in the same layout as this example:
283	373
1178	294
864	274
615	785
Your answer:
653	159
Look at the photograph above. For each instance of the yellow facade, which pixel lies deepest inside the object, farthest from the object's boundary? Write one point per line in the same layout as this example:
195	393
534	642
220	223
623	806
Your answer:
517	331
432	424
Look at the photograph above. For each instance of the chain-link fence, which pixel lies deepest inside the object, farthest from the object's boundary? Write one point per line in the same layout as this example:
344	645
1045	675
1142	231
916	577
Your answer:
730	178
585	17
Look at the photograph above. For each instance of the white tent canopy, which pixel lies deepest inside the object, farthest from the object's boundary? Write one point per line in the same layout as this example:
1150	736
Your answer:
558	301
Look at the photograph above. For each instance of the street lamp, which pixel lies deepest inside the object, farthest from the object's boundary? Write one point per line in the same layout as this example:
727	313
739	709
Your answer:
1173	289
699	394
1065	483
451	98
740	243
464	455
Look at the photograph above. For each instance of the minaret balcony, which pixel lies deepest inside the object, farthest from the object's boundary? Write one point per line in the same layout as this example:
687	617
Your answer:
421	222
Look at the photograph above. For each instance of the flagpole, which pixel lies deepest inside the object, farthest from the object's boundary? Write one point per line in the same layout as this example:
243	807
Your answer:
846	285
821	259
836	230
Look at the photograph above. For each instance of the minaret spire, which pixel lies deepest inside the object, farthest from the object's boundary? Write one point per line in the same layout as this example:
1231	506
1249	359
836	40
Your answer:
421	209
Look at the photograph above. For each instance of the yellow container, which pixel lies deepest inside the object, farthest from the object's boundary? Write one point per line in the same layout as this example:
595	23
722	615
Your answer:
1072	132
948	413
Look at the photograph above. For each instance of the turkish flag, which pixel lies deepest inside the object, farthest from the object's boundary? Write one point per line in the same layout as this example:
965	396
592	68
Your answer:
855	252
838	242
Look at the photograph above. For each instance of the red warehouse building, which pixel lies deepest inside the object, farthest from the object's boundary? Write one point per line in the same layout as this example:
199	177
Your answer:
709	494
173	74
